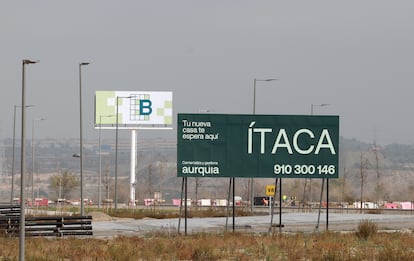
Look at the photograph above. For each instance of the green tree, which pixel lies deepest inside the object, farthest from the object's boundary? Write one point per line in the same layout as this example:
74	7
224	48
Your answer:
63	184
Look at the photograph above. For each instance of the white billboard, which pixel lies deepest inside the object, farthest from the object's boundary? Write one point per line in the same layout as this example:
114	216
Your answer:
134	109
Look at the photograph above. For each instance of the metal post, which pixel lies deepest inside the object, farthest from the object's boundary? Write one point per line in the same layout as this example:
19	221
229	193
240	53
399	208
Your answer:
116	156
181	205
234	204
254	112
14	145
280	206
116	150
320	205
185	206
251	179
273	207
310	180
33	163
22	229
100	163
228	205
327	204
13	153
81	138
33	158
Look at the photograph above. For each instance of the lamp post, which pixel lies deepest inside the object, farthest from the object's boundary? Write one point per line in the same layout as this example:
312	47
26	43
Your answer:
116	149
318	105
81	136
22	163
323	182
33	157
310	180
13	152
100	160
254	112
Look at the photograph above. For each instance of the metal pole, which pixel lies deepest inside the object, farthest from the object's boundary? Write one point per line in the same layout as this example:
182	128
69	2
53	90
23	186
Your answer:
280	206
320	205
100	163
81	137
273	207
254	112
116	150
116	155
181	205
33	161
14	145
22	172
13	153
310	180
22	229
327	204
185	206
251	179
228	205
234	204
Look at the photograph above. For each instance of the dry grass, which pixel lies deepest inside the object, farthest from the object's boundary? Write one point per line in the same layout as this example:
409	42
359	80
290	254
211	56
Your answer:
163	213
228	246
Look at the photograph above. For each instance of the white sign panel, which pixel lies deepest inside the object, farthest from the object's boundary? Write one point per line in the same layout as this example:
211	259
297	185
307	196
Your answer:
133	109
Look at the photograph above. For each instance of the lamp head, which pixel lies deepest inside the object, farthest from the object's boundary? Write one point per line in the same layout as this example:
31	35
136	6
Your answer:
26	61
83	63
265	80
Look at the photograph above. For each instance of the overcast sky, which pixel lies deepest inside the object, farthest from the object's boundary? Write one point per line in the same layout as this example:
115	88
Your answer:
357	56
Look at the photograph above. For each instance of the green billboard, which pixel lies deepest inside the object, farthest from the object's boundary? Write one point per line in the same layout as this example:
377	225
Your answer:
265	146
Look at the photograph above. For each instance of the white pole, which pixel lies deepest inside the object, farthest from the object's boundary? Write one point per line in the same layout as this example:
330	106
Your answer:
133	166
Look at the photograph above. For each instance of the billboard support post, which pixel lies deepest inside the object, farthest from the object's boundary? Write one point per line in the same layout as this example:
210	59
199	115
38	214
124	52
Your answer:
327	204
133	167
280	206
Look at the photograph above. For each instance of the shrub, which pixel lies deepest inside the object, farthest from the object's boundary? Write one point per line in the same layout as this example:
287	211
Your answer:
366	229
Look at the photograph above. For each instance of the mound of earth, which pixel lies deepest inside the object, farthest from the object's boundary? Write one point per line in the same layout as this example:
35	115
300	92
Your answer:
100	216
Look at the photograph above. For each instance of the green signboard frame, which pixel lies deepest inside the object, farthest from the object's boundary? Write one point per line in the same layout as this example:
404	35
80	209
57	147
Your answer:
261	146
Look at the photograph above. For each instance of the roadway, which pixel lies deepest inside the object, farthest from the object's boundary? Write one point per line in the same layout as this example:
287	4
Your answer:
292	222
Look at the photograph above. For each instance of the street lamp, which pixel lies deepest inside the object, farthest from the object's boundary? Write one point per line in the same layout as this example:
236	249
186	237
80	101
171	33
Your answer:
13	152
254	112
81	136
254	90
33	156
22	163
100	159
116	149
318	105
310	180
